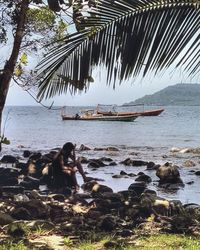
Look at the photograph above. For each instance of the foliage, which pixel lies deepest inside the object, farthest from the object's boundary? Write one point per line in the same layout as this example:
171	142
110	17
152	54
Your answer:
13	246
127	37
40	19
67	241
4	140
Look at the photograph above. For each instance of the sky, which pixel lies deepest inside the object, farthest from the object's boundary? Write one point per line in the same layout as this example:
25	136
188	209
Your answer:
100	93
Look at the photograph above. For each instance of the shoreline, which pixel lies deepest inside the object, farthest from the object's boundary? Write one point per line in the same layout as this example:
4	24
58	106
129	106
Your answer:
26	211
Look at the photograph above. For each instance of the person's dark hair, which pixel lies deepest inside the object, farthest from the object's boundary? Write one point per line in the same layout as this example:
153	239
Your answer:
67	148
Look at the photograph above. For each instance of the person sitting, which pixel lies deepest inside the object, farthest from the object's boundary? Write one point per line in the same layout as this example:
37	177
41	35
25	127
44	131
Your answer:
64	168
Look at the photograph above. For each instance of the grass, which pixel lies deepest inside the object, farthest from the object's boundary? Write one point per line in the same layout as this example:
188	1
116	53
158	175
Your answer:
155	242
9	245
167	242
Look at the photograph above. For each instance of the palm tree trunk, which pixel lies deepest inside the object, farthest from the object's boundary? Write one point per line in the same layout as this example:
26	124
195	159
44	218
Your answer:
9	67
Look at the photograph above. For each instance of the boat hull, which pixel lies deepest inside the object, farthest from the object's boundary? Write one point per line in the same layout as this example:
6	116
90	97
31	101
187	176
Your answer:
155	112
127	118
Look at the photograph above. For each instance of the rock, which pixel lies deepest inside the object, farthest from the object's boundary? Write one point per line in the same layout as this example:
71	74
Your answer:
127	162
152	166
124	233
9	172
20	198
168	173
30	185
43	224
108	159
107	223
35	156
9	159
144	178
189	163
197	173
137	188
96	163
84	148
117	176
23	167
37	209
13	189
83	160
21	213
112	163
88	185
5	219
8	181
57	197
131	175
26	153
17	229
98	188
139	163
112	149
123	173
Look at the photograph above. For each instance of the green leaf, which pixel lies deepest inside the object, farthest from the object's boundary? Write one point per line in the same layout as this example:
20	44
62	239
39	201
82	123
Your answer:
4	140
23	59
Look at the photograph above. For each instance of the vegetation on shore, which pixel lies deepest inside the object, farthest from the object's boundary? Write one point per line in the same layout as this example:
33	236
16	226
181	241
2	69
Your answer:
179	94
146	242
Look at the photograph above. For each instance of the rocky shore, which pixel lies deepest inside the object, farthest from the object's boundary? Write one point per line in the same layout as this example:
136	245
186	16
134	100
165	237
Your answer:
26	208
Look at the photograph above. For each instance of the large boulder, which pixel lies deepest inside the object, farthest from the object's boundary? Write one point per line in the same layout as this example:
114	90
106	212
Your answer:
168	173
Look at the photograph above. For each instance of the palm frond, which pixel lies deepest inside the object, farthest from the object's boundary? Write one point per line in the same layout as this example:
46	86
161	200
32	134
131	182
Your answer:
127	37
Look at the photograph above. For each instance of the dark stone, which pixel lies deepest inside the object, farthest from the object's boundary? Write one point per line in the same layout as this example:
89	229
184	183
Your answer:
12	189
117	176
197	173
26	153
137	188
106	159
144	178
30	185
36	208
123	173
152	166
112	163
98	188
21	213
127	162
9	172
35	156
9	159
95	163
107	223
84	148
125	233
8	181
83	160
131	175
16	230
23	166
139	163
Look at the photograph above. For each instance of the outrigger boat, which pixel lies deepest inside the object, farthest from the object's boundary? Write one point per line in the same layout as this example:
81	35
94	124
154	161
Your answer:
91	115
154	112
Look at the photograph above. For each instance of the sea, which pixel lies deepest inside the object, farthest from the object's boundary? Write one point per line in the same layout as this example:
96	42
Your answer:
159	139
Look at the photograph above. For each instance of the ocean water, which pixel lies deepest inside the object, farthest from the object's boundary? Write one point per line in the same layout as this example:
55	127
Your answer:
40	128
147	138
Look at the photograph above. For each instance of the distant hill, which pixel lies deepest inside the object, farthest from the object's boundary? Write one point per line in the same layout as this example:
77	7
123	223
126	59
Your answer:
179	94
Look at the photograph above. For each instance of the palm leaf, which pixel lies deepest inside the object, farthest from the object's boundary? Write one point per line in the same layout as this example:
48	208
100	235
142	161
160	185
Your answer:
127	37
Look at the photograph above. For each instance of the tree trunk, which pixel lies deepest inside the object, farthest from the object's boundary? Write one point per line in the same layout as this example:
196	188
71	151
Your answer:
9	67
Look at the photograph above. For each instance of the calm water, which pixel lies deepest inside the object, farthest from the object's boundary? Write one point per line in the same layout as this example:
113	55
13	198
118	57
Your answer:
151	138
